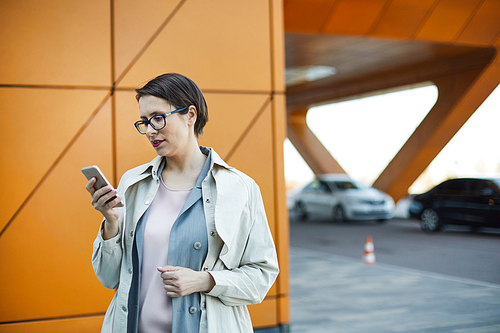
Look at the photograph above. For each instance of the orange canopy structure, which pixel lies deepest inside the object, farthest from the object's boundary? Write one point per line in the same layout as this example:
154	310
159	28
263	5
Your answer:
386	44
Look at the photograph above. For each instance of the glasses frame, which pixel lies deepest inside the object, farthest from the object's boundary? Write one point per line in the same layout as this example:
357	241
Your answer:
148	122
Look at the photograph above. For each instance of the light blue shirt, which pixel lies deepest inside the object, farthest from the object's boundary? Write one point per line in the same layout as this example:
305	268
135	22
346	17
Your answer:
188	247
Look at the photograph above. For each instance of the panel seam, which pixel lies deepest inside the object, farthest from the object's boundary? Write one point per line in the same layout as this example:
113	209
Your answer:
379	17
249	127
150	41
113	98
466	24
273	136
424	20
53	86
55	163
52	319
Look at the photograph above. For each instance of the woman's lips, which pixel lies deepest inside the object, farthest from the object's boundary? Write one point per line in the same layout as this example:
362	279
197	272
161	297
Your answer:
156	143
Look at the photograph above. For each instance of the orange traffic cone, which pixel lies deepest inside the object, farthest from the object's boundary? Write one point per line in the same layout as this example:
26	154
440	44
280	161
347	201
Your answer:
369	255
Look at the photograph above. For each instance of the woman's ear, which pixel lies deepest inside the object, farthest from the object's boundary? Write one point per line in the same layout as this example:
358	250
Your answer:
192	115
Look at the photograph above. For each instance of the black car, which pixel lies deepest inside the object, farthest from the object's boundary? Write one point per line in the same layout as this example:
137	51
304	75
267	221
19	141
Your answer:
467	201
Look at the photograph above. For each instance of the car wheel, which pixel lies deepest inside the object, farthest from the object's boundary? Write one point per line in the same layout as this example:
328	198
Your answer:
338	214
299	212
429	220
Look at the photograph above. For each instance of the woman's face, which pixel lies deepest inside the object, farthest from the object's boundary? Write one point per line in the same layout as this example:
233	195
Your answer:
173	138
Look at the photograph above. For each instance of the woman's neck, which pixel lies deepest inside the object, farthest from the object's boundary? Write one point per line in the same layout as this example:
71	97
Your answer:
181	172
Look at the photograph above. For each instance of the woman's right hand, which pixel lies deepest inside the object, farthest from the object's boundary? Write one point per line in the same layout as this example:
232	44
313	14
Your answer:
105	200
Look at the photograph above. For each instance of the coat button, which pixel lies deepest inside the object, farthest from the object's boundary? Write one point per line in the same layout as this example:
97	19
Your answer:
124	308
212	233
203	305
147	202
207	201
192	310
197	245
118	241
131	234
205	268
130	270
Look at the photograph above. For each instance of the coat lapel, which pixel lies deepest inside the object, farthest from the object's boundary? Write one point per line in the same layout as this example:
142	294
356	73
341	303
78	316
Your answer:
196	192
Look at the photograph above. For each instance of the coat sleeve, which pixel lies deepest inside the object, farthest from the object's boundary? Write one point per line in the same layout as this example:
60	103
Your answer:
107	254
258	268
106	259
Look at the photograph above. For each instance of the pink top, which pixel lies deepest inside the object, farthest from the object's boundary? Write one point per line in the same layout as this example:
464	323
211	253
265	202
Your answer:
155	307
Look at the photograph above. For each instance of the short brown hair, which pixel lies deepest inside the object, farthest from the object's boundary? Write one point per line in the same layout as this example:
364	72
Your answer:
179	91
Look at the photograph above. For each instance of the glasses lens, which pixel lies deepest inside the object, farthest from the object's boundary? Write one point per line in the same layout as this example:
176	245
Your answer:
157	122
141	127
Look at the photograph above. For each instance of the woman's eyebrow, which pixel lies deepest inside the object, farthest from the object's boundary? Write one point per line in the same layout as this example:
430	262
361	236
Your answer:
154	113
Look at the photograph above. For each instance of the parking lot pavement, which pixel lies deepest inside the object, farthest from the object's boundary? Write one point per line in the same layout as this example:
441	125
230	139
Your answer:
331	293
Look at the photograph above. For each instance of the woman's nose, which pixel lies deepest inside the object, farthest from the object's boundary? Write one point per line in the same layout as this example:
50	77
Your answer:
150	130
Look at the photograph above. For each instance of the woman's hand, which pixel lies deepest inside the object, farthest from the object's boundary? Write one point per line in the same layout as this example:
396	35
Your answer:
181	281
105	201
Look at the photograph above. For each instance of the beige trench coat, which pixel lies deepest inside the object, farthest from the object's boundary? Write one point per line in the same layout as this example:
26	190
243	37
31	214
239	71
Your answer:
241	253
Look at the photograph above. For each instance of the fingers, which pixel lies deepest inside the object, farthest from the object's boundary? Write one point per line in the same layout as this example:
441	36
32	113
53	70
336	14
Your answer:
106	190
172	284
114	202
102	195
171	280
105	199
169	272
173	292
167	268
90	185
180	281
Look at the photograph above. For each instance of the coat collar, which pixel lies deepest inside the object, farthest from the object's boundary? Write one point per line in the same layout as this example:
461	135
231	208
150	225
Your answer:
155	167
215	158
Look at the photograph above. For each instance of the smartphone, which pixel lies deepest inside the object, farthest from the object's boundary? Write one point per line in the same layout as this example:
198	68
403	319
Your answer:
94	171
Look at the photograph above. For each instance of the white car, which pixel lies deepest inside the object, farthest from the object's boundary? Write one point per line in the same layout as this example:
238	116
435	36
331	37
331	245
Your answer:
342	199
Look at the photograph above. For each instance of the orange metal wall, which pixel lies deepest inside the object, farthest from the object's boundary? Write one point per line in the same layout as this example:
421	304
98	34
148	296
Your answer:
67	73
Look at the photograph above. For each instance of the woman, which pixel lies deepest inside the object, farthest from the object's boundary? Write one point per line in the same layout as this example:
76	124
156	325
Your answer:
192	246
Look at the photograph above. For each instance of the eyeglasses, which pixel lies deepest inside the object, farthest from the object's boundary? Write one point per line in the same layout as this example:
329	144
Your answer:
157	121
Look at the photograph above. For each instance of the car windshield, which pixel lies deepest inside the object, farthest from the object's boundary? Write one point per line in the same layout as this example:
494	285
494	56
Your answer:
344	185
496	181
